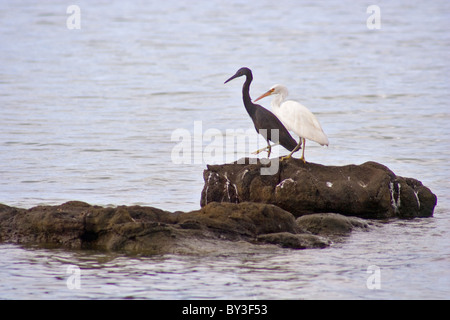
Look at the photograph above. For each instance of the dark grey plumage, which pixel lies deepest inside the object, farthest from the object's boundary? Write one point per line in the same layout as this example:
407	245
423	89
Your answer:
263	118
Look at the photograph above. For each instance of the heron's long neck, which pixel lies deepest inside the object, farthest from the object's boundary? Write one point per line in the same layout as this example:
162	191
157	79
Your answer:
277	101
249	106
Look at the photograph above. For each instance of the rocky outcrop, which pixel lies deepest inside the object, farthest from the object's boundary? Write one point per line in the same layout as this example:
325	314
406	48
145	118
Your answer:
299	205
369	190
148	230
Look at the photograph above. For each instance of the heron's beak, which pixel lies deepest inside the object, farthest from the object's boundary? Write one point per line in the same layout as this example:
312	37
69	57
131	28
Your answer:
233	77
268	93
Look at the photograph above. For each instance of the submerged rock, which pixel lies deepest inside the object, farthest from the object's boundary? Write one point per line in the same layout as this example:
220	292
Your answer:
148	230
369	190
295	241
331	224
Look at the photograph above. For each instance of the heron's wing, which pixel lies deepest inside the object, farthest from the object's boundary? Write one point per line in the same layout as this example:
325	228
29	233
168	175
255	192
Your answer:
265	119
302	121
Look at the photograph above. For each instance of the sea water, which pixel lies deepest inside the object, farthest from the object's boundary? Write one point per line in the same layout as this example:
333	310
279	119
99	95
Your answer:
92	98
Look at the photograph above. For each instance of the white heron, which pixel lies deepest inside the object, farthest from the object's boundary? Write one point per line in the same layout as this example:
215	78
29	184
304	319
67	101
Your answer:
295	117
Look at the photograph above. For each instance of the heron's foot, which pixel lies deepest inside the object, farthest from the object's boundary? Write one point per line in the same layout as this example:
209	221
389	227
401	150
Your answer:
303	159
285	157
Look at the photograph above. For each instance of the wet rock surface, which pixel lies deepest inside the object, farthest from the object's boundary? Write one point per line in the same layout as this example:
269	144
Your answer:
301	206
369	190
332	224
149	230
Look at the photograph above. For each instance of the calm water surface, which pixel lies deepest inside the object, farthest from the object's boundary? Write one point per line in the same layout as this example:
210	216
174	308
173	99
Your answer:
89	115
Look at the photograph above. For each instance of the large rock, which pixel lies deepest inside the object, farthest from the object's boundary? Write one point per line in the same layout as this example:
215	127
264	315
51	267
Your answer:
148	230
369	190
297	206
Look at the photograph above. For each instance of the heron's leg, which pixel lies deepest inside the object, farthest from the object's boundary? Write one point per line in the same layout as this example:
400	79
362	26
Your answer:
303	151
264	149
295	149
270	149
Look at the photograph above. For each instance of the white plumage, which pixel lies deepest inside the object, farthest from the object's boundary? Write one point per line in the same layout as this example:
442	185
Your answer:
296	117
